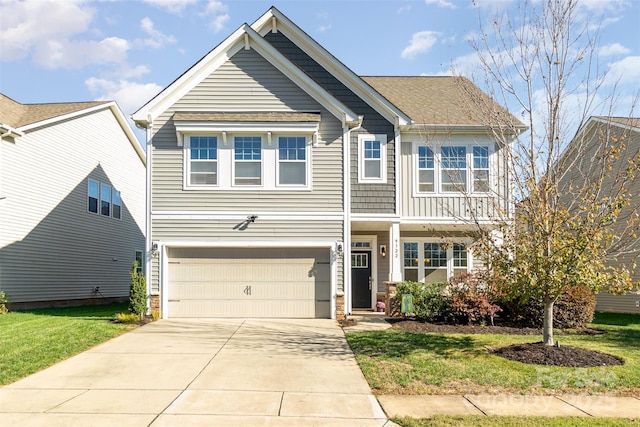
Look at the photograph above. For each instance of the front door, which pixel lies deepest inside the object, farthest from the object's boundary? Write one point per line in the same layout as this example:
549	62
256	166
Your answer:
361	279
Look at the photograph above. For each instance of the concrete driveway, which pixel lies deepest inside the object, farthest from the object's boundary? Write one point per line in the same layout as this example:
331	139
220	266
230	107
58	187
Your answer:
203	373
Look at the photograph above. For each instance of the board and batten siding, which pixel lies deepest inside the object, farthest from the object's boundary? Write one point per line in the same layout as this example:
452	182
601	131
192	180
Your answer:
365	198
210	231
247	82
449	205
51	247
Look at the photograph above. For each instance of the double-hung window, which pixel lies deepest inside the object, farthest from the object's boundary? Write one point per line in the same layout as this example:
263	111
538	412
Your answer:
426	170
454	168
292	160
247	160
203	160
435	262
481	169
372	158
117	204
411	261
105	199
93	195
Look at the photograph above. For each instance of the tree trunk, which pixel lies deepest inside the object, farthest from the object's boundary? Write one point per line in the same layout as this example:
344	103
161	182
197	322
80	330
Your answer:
547	325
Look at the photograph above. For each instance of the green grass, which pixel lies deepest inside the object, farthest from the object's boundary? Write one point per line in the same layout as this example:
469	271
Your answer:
398	362
33	340
496	421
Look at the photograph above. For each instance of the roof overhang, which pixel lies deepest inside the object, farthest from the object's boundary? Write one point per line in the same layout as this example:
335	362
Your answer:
246	38
7	131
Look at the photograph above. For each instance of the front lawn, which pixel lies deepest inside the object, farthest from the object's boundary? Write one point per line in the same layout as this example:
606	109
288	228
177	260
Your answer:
399	362
499	421
35	339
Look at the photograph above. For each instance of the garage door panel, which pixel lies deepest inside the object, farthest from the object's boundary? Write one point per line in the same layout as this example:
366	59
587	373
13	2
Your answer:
240	282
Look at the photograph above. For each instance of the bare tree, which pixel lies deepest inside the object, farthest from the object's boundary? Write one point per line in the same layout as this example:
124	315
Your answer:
570	198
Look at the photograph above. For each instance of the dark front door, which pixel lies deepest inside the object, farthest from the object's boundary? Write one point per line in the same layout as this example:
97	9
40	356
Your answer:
361	279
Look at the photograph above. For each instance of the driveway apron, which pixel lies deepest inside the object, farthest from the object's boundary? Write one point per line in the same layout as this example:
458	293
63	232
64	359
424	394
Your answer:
203	372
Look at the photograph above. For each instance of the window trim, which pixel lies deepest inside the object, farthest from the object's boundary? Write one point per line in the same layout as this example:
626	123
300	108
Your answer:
140	268
114	191
102	199
234	161
307	161
438	168
362	138
97	211
188	160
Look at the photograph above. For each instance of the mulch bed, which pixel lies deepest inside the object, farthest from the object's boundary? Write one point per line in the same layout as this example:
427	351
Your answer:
533	353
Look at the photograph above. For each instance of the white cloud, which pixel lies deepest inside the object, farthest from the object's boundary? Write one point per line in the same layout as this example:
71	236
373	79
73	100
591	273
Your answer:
613	49
404	9
77	54
625	71
441	3
219	11
421	42
171	6
324	28
37	25
157	39
129	95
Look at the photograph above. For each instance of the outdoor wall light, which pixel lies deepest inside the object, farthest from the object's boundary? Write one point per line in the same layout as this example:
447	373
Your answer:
252	218
383	250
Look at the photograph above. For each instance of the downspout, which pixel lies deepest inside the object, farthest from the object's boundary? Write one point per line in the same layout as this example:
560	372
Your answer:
346	258
149	148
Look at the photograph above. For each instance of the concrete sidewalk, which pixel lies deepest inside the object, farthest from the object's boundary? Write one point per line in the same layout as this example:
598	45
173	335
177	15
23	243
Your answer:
203	372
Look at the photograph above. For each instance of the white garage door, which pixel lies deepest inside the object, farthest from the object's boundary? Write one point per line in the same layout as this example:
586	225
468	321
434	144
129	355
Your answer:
230	282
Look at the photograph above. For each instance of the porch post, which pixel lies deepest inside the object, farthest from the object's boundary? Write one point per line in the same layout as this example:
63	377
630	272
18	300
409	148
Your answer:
395	270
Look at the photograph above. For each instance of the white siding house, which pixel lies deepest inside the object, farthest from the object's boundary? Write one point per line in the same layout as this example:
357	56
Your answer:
72	210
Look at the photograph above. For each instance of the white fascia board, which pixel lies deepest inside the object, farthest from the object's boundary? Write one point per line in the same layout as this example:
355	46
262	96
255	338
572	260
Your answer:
329	62
305	82
122	120
445	221
609	122
187	81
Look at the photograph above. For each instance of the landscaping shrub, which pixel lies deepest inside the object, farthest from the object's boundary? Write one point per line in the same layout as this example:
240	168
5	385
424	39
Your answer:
4	300
472	298
574	309
127	318
429	299
138	292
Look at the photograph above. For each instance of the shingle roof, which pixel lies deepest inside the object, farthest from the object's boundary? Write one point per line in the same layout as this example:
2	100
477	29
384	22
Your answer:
441	100
16	115
247	117
626	121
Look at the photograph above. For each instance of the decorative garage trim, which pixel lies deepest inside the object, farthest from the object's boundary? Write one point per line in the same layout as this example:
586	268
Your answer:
335	248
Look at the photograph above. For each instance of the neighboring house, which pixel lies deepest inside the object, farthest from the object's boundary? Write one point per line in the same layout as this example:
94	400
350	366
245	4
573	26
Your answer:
72	202
596	132
284	185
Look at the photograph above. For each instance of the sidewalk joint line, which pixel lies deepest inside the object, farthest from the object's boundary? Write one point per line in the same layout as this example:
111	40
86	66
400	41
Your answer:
474	405
570	404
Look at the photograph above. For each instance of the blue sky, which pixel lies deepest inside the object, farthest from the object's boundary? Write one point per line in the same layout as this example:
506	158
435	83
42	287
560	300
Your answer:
69	50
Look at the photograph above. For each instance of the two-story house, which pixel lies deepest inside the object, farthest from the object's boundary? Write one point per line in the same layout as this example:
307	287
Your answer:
72	202
282	184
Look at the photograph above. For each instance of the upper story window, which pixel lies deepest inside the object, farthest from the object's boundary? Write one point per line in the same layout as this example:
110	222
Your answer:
452	169
372	158
103	199
203	160
247	160
292	160
117	204
481	169
426	170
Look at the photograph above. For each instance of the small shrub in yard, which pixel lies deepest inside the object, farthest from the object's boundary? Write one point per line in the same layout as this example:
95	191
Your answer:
4	300
472	298
429	299
127	318
574	309
138	292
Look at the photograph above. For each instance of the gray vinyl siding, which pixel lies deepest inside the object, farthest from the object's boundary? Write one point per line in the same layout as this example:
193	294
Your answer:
212	231
628	303
365	198
449	206
51	247
247	82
